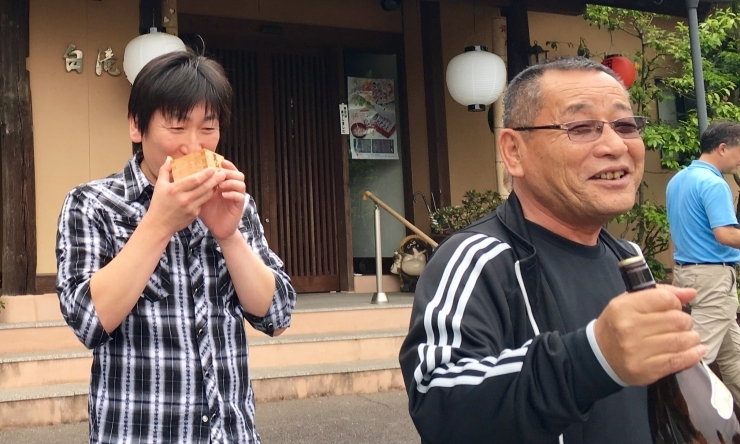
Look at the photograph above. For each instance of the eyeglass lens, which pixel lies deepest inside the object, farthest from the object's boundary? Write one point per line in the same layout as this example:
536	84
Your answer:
590	130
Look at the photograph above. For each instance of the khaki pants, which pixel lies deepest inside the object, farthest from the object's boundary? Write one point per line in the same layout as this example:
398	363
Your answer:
714	312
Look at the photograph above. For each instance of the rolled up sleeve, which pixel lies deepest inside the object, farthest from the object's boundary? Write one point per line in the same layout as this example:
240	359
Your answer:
284	298
83	247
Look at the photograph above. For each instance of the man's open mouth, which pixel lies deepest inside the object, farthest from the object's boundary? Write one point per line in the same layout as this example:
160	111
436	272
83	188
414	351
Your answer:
611	175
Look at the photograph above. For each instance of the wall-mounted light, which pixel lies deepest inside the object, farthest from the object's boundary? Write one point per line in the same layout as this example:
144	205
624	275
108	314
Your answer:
537	54
476	78
390	5
146	47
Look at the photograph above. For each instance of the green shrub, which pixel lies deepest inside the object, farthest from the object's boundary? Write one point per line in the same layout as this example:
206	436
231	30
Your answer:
475	205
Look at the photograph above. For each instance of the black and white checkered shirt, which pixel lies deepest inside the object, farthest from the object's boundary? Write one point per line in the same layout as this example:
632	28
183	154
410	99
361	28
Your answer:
175	370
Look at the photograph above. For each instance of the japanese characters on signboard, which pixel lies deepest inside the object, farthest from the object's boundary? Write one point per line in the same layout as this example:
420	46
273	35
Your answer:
73	59
372	118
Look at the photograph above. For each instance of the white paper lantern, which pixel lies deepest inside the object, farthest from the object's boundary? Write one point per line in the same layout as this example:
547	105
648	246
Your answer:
146	47
476	78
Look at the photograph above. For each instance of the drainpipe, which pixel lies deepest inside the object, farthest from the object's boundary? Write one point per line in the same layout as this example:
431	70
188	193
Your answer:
701	98
499	48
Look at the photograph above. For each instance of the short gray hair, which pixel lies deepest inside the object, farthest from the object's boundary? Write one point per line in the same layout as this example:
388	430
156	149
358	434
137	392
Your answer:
523	98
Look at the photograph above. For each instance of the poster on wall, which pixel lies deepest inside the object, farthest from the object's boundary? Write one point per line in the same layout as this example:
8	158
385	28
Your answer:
372	118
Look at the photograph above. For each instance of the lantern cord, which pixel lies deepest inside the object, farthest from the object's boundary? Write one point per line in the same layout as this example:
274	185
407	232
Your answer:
474	31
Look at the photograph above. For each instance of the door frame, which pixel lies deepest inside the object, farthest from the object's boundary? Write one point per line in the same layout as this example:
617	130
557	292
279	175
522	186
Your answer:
252	34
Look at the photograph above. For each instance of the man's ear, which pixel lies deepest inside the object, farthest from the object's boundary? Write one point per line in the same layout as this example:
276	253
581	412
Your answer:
510	145
722	148
133	130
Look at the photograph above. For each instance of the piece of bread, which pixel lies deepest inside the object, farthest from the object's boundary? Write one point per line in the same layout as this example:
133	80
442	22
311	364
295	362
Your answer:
195	162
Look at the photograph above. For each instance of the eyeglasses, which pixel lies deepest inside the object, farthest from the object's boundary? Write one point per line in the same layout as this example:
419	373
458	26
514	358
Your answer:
589	130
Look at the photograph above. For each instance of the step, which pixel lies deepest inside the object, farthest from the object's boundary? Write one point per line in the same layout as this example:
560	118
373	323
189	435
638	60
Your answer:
337	344
56	335
67	403
45	308
325	348
27	369
45	405
30	308
323	320
37	336
341	378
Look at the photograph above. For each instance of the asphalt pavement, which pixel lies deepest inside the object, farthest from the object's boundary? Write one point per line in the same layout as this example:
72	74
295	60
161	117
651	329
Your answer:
378	418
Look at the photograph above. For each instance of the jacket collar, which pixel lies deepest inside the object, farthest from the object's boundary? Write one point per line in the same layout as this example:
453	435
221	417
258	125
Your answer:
539	293
512	217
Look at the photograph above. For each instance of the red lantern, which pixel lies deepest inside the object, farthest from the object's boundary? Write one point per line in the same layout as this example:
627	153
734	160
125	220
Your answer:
623	67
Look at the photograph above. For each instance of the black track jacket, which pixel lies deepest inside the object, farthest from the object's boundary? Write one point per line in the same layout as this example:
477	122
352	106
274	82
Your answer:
484	361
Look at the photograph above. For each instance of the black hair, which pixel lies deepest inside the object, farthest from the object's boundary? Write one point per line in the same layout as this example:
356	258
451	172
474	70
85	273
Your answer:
523	101
174	84
719	132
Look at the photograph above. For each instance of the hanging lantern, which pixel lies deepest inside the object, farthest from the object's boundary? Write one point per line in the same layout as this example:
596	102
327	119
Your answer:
146	47
623	67
476	78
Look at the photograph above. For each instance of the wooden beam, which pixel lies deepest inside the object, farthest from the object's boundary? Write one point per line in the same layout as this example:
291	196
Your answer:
16	152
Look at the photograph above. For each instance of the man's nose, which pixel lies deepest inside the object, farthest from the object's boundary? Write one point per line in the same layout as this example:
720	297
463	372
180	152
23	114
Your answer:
191	142
611	143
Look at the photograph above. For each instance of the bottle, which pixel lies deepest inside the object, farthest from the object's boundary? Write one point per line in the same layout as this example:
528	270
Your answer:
689	407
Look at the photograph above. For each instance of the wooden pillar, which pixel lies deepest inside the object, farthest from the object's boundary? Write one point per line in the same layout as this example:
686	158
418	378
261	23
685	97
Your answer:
517	43
169	16
16	152
499	48
414	95
434	69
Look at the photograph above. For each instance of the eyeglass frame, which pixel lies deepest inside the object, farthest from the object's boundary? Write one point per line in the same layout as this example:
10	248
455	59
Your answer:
563	127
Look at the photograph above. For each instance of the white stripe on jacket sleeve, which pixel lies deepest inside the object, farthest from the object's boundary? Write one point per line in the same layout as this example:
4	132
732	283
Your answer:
469	259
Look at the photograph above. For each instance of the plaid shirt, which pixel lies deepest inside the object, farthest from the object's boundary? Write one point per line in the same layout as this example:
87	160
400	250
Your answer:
175	370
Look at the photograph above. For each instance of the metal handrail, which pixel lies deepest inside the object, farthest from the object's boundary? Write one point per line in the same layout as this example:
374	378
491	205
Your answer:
379	297
368	195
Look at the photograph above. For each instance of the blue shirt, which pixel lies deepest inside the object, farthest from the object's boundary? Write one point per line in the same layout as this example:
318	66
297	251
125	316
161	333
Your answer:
698	200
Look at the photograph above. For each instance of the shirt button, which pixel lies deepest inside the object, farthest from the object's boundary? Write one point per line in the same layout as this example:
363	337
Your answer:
200	332
205	418
208	374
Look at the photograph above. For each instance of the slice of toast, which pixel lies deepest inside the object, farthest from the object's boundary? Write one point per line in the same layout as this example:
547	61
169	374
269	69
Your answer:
195	162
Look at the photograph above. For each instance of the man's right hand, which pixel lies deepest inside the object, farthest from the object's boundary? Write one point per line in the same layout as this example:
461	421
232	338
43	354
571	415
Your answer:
175	205
645	336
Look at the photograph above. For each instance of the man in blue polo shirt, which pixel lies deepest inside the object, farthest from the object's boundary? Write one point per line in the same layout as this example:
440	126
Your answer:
706	240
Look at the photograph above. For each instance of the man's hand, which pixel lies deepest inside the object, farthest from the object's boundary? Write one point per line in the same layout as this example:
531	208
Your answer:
175	205
223	211
644	335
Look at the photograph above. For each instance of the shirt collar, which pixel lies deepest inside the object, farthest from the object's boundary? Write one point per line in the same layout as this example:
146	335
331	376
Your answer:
701	164
136	182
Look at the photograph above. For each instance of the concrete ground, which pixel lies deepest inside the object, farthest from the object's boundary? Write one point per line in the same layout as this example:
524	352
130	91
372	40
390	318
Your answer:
376	418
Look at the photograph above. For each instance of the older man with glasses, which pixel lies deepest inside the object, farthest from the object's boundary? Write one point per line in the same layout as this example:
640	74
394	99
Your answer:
706	240
521	330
